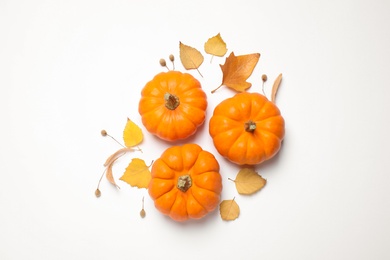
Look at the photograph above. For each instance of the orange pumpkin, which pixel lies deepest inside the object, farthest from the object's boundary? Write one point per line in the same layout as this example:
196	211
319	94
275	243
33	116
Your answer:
173	105
247	128
185	183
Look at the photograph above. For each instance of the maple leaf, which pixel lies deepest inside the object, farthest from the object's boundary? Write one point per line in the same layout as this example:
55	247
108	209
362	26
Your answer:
137	174
229	209
190	57
215	46
237	70
275	87
248	181
132	134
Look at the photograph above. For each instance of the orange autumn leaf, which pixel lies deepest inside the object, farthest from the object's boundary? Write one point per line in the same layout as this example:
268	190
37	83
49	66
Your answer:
215	46
229	210
137	174
190	57
237	70
248	181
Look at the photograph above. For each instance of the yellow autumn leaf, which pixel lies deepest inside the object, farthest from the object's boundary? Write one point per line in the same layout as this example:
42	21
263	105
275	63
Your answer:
248	181
215	46
190	57
137	174
132	134
229	209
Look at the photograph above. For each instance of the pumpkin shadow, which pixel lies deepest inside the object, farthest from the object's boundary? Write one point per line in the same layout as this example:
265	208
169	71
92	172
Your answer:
273	161
201	223
190	139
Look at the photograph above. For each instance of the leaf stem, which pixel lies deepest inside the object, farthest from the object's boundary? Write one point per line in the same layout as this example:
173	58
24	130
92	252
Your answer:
139	149
262	88
151	164
104	134
212	91
199	72
101	177
116	141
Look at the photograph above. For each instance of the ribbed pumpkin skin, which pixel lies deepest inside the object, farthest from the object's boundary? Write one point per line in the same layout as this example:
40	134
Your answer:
204	194
172	124
228	128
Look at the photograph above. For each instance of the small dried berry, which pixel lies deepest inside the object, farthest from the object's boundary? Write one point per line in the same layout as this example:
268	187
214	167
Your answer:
142	213
264	77
97	193
163	63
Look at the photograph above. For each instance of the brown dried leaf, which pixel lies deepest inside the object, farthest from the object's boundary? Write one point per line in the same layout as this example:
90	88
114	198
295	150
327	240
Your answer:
248	181
215	46
229	209
190	57
137	174
275	87
109	175
109	163
113	157
237	70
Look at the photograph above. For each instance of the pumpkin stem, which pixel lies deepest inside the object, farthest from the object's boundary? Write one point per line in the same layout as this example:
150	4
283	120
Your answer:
250	126
184	183
171	101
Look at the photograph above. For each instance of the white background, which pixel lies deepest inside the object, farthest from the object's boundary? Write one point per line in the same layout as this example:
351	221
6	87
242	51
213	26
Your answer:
71	68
